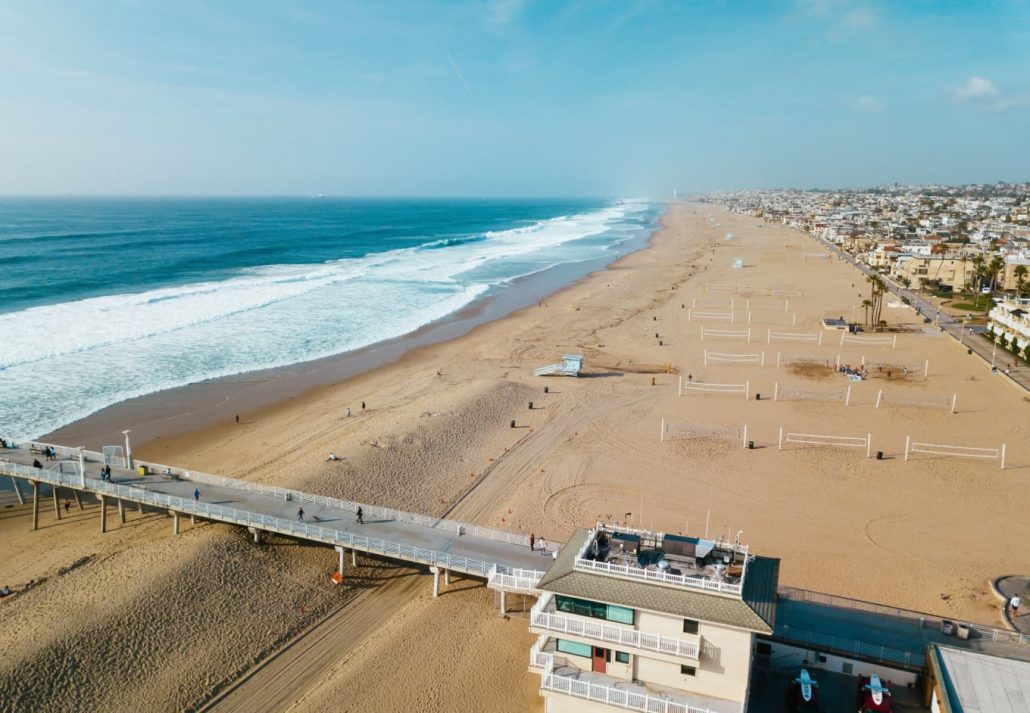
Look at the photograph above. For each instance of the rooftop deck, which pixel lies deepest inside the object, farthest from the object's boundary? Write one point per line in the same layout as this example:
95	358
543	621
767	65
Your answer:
675	560
450	545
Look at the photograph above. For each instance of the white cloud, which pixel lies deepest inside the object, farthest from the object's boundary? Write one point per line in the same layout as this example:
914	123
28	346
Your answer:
503	12
976	89
869	104
858	19
840	17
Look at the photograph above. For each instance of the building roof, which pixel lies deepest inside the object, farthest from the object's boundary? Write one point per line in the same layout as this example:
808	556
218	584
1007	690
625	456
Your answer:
974	682
754	610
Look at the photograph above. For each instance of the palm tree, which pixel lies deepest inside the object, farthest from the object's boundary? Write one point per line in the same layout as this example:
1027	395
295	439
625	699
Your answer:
1020	275
979	269
866	304
994	270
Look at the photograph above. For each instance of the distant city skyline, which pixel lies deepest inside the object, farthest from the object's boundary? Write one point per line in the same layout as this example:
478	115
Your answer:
510	98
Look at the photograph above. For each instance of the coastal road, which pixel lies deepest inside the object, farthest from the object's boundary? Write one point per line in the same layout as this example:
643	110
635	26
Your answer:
1019	371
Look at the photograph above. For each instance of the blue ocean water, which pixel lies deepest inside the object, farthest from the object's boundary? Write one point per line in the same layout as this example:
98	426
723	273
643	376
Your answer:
106	299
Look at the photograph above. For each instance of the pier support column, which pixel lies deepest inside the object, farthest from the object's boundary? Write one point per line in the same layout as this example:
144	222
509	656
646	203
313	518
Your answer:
78	498
193	520
35	505
353	558
140	507
17	490
121	511
175	522
256	533
504	603
436	580
57	503
103	514
341	551
447	578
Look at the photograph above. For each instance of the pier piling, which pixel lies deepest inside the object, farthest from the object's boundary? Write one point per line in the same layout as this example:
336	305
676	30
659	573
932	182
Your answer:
175	522
57	503
78	498
121	511
35	505
436	580
103	514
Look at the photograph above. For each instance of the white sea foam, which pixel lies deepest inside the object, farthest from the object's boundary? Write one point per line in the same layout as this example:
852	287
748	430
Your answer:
64	361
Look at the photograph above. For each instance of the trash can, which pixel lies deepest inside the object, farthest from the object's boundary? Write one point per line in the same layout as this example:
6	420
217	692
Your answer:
530	405
879	455
513	423
750	445
547	389
758	396
143	470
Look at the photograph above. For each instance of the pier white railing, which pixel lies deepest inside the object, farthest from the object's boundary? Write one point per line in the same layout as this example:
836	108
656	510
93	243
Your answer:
516	580
108	457
370	511
245	518
623	694
541	618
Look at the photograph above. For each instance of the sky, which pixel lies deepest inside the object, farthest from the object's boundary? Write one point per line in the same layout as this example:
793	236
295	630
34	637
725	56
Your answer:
509	97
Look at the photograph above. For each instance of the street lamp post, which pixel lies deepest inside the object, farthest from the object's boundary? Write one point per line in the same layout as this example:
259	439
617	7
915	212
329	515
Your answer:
128	449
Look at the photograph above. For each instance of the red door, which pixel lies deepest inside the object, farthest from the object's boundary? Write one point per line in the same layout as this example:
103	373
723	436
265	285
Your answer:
600	656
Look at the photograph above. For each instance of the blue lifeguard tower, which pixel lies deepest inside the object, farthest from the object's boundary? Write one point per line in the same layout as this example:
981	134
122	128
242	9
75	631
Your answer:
570	365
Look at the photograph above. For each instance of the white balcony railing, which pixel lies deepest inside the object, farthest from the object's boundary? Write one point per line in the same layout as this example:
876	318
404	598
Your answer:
602	689
706	583
673	646
655	539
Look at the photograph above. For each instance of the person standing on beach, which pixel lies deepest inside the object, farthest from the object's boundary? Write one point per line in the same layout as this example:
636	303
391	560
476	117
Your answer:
237	418
532	541
196	494
300	514
361	516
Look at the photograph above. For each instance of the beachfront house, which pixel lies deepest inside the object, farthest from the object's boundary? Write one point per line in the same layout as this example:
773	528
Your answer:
1010	319
634	620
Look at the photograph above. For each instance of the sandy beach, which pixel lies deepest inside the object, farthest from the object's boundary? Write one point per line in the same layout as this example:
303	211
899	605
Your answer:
139	618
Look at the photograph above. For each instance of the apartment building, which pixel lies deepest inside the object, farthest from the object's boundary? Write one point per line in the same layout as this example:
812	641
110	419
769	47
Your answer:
951	272
1011	318
633	620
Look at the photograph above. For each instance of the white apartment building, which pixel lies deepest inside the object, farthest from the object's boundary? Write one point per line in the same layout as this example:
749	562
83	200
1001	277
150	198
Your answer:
1011	318
633	620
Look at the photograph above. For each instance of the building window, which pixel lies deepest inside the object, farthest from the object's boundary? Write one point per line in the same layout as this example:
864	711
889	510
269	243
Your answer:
574	648
621	657
689	626
596	610
688	670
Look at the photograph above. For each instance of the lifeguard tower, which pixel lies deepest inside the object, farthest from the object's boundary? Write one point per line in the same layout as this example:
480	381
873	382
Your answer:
570	365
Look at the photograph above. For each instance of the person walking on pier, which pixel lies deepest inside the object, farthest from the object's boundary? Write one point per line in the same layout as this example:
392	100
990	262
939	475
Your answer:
300	515
532	541
361	516
196	494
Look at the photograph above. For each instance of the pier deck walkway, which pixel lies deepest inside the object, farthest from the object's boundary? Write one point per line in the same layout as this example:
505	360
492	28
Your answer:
444	544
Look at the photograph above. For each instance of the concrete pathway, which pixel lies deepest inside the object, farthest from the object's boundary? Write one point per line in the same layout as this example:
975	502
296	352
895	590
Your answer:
1015	586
